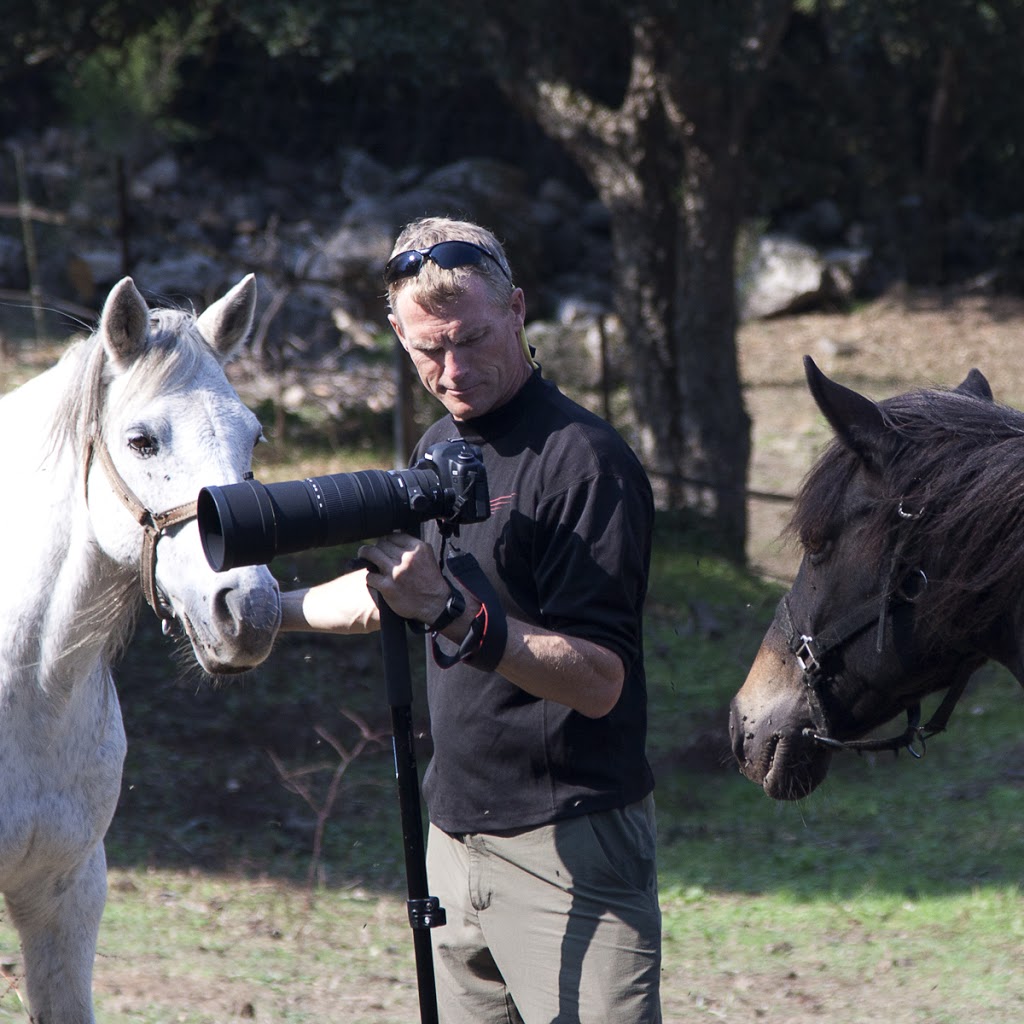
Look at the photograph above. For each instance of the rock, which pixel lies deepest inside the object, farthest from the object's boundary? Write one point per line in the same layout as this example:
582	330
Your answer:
362	176
12	260
93	270
162	175
584	346
785	275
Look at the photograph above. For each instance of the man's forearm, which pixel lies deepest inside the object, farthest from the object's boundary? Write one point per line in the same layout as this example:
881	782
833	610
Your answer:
343	605
578	673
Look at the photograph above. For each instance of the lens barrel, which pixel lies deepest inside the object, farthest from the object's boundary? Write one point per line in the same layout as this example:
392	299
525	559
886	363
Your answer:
249	523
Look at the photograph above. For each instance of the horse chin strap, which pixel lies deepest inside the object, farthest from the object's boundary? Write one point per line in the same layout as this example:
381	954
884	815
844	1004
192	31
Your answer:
153	525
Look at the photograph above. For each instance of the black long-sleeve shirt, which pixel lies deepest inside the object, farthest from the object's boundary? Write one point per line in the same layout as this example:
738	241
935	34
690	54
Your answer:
567	547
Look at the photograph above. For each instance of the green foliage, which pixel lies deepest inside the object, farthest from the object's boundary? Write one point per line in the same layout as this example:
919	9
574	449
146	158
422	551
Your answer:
355	36
846	112
855	94
123	93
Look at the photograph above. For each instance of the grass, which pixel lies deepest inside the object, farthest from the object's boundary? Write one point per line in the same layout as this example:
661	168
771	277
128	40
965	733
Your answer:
899	875
856	960
254	949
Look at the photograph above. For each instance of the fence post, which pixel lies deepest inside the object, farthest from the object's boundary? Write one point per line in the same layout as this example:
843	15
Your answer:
28	237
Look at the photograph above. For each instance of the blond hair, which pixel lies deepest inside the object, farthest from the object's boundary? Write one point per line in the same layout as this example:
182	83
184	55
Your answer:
434	287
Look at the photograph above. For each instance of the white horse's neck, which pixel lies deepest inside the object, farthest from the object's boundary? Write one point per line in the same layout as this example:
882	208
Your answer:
59	590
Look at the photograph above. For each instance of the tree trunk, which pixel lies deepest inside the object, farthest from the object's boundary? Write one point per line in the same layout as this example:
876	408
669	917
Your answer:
674	287
667	164
927	246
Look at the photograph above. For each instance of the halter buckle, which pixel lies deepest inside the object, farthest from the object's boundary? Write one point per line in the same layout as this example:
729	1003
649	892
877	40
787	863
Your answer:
806	654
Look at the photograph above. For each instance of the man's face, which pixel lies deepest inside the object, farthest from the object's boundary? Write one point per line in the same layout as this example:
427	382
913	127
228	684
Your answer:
469	356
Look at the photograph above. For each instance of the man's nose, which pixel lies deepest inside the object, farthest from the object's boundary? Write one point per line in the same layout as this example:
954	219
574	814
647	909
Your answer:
454	364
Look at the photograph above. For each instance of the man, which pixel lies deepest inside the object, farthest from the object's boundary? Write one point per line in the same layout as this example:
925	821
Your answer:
542	837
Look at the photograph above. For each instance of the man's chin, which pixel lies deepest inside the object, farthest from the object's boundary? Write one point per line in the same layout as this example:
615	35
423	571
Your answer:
464	405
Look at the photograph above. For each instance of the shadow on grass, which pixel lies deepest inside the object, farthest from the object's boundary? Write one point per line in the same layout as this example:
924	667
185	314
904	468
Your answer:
201	789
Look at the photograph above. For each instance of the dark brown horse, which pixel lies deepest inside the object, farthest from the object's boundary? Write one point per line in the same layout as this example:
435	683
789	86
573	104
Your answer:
912	527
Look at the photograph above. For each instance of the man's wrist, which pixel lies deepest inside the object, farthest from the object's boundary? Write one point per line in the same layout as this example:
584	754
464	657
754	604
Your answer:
454	606
483	645
293	617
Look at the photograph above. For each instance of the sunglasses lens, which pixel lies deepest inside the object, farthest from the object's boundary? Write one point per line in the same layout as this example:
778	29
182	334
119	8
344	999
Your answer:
405	264
449	255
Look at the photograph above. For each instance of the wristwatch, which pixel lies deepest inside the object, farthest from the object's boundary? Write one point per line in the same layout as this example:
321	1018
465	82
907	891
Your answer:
453	608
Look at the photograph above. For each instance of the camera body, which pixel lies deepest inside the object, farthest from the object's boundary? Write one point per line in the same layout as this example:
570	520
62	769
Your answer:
461	495
249	523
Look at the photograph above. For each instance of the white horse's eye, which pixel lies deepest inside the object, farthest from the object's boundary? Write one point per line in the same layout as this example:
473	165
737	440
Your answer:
143	444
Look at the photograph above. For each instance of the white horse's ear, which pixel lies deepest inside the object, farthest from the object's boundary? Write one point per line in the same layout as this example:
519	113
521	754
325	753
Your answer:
226	323
124	323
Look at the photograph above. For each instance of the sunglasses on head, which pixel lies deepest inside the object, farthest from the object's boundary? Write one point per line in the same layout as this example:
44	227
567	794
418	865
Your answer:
447	255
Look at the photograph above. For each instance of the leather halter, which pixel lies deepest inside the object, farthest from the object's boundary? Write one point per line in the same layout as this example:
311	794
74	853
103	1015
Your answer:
813	653
153	525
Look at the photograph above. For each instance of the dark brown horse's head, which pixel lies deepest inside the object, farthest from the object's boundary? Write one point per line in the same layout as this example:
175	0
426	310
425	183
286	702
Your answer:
913	544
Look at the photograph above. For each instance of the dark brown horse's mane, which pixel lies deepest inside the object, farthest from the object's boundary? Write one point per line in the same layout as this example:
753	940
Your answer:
959	461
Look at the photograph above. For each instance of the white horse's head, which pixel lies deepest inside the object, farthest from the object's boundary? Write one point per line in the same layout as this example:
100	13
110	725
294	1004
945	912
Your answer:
166	422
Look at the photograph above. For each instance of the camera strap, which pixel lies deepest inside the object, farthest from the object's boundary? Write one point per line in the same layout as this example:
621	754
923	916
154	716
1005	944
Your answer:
484	644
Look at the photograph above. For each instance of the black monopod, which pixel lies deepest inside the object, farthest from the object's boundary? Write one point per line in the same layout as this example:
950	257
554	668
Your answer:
425	911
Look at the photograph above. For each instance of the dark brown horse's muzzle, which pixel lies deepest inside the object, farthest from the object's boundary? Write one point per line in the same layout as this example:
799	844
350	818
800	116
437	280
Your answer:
768	723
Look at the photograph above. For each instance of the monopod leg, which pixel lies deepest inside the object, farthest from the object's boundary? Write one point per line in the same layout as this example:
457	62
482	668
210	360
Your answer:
425	912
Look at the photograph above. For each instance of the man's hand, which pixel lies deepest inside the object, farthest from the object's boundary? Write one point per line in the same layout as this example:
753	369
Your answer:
404	571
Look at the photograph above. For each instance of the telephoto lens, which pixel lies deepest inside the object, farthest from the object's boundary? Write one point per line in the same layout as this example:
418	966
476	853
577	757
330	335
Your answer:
249	523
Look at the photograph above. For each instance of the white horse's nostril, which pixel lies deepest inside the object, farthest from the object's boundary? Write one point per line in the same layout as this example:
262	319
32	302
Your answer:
237	612
226	611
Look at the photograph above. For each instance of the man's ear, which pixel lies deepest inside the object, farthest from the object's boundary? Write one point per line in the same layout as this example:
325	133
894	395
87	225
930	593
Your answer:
397	328
518	305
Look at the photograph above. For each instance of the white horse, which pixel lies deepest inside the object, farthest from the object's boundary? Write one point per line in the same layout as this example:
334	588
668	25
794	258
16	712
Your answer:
101	458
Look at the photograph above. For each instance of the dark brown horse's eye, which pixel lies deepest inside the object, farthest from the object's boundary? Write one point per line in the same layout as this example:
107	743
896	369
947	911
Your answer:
818	550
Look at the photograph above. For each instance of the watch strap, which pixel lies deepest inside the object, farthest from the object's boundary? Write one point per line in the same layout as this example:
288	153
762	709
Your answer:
453	608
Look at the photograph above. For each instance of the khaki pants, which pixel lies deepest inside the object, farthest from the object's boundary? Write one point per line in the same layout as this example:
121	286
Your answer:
552	925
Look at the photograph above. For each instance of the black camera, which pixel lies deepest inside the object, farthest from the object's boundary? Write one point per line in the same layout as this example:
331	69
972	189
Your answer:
249	523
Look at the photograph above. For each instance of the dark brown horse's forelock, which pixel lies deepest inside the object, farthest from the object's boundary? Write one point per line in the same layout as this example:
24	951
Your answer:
960	461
